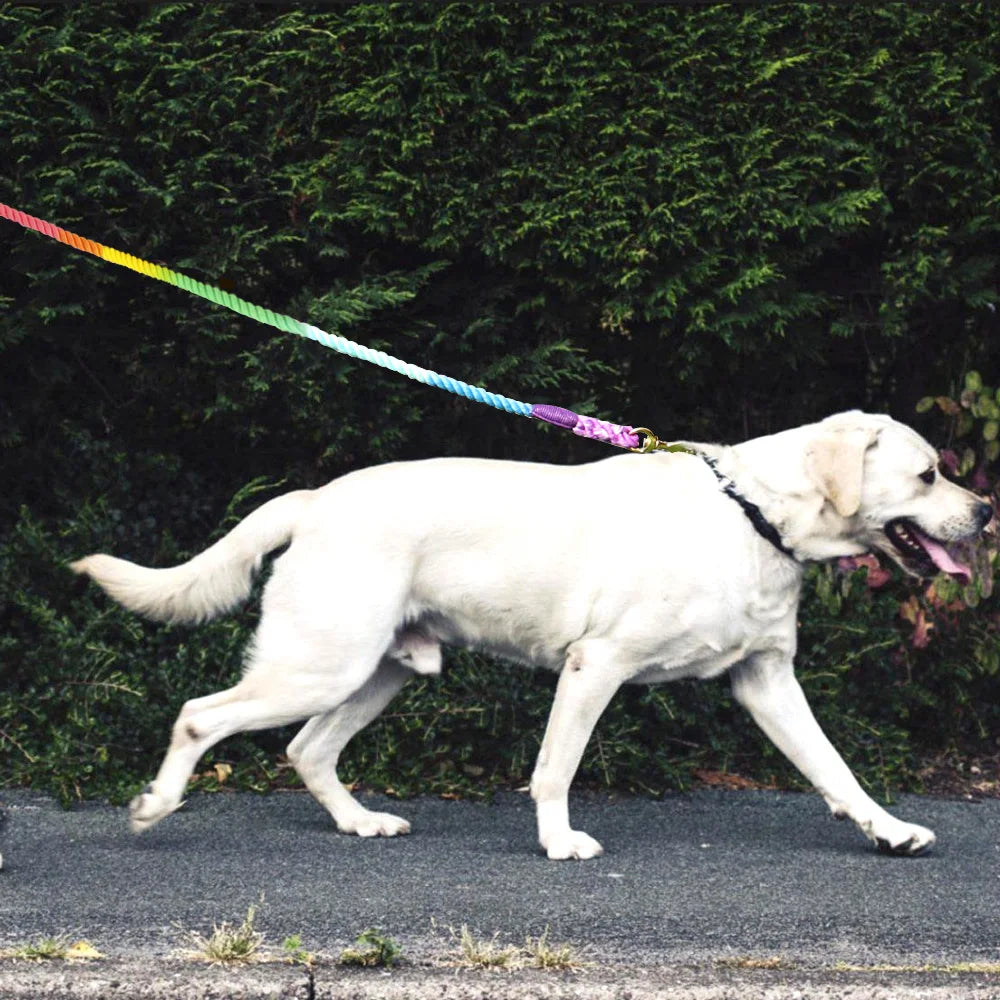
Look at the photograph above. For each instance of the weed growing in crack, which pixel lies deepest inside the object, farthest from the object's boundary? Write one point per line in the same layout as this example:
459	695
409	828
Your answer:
228	944
294	952
44	949
557	957
372	948
479	954
535	953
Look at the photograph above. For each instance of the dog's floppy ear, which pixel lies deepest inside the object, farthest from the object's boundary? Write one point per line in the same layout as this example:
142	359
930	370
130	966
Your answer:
835	462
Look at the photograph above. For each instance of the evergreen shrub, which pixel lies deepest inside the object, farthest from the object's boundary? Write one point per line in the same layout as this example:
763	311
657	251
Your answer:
717	221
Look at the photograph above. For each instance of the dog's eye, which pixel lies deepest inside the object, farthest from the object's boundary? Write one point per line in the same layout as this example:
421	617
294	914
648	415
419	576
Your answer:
929	476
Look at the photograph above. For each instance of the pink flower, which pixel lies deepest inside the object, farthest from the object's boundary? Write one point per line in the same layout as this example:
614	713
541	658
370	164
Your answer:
875	575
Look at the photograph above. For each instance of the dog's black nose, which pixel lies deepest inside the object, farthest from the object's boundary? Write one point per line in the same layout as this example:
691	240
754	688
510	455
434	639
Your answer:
985	515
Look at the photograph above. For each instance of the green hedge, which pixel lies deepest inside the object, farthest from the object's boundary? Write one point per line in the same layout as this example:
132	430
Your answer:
717	221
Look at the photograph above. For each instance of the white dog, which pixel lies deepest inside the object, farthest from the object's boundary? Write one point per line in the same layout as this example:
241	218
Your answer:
634	569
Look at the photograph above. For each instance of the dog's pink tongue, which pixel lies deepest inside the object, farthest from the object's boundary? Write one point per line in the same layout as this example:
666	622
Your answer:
942	557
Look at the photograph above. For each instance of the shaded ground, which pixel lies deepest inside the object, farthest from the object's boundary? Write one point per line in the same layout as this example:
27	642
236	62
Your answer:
970	777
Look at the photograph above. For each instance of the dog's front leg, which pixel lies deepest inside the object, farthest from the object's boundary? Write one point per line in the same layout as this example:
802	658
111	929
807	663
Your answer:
766	686
589	679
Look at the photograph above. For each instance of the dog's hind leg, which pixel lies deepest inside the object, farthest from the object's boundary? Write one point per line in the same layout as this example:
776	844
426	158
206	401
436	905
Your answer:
272	693
316	748
164	794
320	638
202	723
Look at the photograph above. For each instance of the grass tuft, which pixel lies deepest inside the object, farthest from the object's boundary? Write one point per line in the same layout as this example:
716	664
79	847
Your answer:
372	949
229	945
557	957
535	953
294	951
480	954
44	949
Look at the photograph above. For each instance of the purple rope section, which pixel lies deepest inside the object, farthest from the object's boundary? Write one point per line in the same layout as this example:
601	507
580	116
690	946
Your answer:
589	427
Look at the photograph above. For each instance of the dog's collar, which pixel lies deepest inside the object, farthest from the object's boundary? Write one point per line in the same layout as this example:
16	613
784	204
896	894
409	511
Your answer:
761	524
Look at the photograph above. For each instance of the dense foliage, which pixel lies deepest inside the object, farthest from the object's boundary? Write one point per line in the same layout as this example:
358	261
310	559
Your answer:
714	220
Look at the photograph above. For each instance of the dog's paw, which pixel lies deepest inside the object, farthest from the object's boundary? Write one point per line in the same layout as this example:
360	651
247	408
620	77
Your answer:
918	840
903	839
572	844
375	824
147	809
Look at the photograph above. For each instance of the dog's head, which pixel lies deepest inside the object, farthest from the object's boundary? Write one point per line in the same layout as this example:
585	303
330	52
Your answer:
884	481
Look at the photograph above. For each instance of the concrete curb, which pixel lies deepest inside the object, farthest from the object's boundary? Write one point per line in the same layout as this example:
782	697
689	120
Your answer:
177	979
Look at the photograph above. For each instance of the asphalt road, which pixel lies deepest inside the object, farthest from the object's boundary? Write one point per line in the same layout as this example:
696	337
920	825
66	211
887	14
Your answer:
701	884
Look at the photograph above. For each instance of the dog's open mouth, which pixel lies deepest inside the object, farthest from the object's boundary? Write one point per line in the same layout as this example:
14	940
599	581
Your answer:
923	555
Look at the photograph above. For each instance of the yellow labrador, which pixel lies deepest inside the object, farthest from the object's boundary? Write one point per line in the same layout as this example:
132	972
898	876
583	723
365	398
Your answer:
543	564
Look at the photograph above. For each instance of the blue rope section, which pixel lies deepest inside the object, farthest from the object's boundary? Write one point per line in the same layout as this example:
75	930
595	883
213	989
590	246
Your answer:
415	372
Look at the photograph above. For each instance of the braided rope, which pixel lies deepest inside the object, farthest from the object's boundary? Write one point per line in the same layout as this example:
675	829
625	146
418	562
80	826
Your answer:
601	430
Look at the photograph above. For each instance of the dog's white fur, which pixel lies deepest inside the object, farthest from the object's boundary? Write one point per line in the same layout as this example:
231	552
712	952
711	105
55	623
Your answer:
634	569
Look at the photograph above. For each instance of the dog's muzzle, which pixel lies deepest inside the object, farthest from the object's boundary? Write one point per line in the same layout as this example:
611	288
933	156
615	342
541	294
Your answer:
924	556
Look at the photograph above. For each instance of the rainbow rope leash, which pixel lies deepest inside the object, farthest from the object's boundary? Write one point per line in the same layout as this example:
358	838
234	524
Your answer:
633	438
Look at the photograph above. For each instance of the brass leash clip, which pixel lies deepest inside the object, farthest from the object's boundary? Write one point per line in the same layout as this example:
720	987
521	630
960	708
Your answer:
650	442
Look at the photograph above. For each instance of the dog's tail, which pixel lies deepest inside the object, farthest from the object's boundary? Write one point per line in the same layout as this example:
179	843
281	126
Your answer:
209	584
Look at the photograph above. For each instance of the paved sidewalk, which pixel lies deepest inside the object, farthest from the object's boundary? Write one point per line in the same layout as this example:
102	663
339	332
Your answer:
692	893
